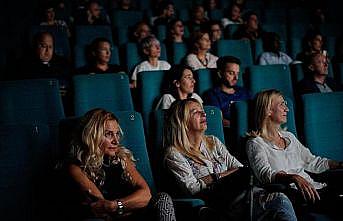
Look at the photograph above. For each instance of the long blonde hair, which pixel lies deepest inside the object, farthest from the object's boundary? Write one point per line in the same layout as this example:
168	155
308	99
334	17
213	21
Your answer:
262	103
176	130
88	139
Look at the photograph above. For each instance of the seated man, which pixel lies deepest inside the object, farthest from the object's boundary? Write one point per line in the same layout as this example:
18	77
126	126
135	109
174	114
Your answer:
316	79
227	92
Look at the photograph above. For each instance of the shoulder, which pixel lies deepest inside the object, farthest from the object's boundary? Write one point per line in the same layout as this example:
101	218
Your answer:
211	56
196	96
164	64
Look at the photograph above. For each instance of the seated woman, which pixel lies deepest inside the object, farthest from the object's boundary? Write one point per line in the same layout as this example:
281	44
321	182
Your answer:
200	57
277	156
234	15
175	32
202	166
181	86
107	182
272	51
151	49
99	57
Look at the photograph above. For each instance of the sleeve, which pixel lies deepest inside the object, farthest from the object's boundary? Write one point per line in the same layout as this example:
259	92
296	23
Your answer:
259	163
312	163
190	61
164	102
262	60
230	160
134	73
182	171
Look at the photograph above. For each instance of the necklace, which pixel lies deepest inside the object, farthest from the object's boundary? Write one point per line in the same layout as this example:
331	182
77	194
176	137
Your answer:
204	62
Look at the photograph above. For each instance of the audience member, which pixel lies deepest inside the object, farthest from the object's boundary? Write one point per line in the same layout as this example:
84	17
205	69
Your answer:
277	156
198	18
181	86
227	92
50	20
200	57
313	43
272	51
204	168
251	29
215	31
140	31
234	15
124	5
93	15
316	79
166	13
151	49
175	32
99	58
107	184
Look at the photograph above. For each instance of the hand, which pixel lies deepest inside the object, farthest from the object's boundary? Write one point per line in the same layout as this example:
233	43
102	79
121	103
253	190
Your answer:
307	190
103	207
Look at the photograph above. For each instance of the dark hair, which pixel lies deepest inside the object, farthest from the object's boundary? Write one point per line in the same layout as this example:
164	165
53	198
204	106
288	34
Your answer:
163	5
195	37
248	14
95	43
175	74
222	61
268	41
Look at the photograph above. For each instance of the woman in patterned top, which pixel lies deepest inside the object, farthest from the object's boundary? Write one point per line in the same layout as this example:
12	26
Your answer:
202	166
106	179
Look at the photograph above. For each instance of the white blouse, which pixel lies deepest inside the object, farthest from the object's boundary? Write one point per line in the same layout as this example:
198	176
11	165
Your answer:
267	159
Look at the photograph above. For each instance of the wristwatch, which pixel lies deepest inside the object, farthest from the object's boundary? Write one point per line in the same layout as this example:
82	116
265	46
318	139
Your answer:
120	209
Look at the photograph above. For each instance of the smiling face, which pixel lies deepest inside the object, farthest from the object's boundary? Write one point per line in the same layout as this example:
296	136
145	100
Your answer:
235	13
278	110
111	138
197	118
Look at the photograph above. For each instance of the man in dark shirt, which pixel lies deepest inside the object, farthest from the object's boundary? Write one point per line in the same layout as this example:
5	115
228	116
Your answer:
316	79
227	92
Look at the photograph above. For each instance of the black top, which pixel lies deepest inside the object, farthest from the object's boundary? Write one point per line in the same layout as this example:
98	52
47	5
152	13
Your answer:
307	85
92	69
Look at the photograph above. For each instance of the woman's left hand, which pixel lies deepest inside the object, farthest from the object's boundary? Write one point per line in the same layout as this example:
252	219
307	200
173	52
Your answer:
103	207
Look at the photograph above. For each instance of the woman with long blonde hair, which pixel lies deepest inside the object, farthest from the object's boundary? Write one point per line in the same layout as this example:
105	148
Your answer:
277	156
203	167
106	177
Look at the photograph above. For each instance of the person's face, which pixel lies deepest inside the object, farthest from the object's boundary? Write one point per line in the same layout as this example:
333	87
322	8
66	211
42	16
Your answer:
197	119
169	11
94	9
235	13
278	110
178	28
253	22
154	51
216	33
103	53
199	13
204	42
111	138
317	43
45	48
231	74
186	83
212	4
50	14
142	32
319	65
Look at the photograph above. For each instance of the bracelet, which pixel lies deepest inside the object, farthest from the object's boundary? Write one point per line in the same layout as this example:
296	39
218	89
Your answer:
120	209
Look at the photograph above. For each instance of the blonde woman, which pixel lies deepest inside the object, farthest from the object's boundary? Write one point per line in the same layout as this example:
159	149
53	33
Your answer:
277	156
105	175
203	167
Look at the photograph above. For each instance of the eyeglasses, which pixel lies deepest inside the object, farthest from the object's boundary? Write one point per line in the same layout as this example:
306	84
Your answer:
111	135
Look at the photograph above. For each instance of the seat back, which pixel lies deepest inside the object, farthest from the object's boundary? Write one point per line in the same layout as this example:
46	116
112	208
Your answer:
109	91
323	124
30	101
121	18
179	51
85	34
262	77
238	48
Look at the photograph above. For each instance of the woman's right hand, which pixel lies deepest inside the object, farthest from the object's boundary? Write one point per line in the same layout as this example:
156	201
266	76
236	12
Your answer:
307	190
103	207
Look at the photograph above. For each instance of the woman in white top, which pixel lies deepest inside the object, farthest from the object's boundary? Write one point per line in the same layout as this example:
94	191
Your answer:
152	50
200	57
181	86
277	156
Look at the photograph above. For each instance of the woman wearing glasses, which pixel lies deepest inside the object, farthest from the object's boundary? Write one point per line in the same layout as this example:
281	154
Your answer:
105	177
277	156
203	167
98	56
